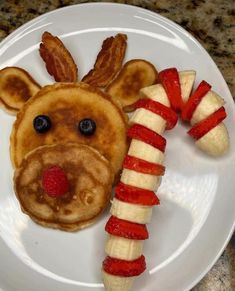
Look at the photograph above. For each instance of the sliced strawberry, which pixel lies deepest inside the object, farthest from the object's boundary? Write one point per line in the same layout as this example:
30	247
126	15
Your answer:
135	195
127	229
169	78
142	166
193	101
124	268
204	126
144	134
165	112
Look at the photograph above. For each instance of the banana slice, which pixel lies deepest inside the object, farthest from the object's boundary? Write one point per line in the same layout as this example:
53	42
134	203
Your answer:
140	180
187	79
144	151
131	212
149	119
210	103
156	93
123	248
215	142
116	283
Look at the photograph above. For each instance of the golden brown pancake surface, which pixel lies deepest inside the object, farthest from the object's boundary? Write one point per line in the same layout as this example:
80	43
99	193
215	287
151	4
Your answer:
67	104
134	75
16	87
90	180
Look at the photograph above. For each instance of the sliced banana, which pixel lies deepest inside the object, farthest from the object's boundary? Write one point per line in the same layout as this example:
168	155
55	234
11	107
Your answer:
156	93
210	103
131	212
144	151
123	248
117	283
215	142
187	79
140	180
148	119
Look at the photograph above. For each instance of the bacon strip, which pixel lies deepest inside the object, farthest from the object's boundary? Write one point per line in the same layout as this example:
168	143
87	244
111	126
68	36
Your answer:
59	62
108	61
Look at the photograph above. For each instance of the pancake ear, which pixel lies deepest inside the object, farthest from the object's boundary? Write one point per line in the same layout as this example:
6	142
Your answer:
134	75
16	87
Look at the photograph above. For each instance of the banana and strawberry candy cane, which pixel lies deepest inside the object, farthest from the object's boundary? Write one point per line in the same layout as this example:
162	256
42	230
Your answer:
203	109
134	195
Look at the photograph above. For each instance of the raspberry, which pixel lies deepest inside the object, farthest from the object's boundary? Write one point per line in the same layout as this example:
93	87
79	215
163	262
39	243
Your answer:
54	181
124	268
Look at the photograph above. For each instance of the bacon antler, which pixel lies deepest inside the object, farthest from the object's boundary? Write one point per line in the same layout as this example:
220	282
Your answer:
108	62
59	62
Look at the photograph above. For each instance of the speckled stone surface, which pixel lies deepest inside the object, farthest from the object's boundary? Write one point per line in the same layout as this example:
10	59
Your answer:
212	22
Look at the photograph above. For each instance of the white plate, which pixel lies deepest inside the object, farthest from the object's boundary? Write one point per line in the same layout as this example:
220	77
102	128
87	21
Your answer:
196	218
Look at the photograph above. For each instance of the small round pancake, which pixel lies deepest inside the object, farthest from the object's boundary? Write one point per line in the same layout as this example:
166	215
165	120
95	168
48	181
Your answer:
16	87
90	181
67	104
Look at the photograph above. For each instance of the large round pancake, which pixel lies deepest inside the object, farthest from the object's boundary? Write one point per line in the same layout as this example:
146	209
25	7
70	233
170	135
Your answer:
90	181
66	104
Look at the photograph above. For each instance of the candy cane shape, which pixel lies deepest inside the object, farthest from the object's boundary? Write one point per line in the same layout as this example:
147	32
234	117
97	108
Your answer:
134	195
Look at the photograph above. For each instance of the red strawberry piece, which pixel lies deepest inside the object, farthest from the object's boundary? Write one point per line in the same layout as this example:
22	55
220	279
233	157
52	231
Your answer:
169	78
144	134
54	181
135	195
204	126
156	107
124	268
189	108
142	166
127	229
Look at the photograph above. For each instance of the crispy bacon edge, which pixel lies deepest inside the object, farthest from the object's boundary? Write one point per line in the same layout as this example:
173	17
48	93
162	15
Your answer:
108	61
59	62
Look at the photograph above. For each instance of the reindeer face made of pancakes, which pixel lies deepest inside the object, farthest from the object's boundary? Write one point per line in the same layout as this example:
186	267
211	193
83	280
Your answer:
70	133
61	127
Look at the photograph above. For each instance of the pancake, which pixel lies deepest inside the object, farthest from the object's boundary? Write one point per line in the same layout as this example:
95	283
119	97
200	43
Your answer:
90	180
134	75
16	87
67	104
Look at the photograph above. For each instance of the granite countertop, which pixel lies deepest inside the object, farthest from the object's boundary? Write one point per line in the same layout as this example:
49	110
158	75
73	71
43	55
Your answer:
212	22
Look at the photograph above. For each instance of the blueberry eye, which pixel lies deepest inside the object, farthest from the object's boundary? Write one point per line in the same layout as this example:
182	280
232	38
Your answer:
87	126
42	123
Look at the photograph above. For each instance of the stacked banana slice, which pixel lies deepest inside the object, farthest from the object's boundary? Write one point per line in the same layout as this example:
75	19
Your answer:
216	141
125	248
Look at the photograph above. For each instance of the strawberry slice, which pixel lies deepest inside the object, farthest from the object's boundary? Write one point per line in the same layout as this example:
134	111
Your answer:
124	268
189	108
142	166
169	78
135	195
156	107
204	126
144	134
127	229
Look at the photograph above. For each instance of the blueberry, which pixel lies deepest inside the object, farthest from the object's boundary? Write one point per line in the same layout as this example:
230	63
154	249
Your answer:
87	126
42	123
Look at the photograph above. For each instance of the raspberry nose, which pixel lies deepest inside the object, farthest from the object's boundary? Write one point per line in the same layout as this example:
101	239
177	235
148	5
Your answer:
55	182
